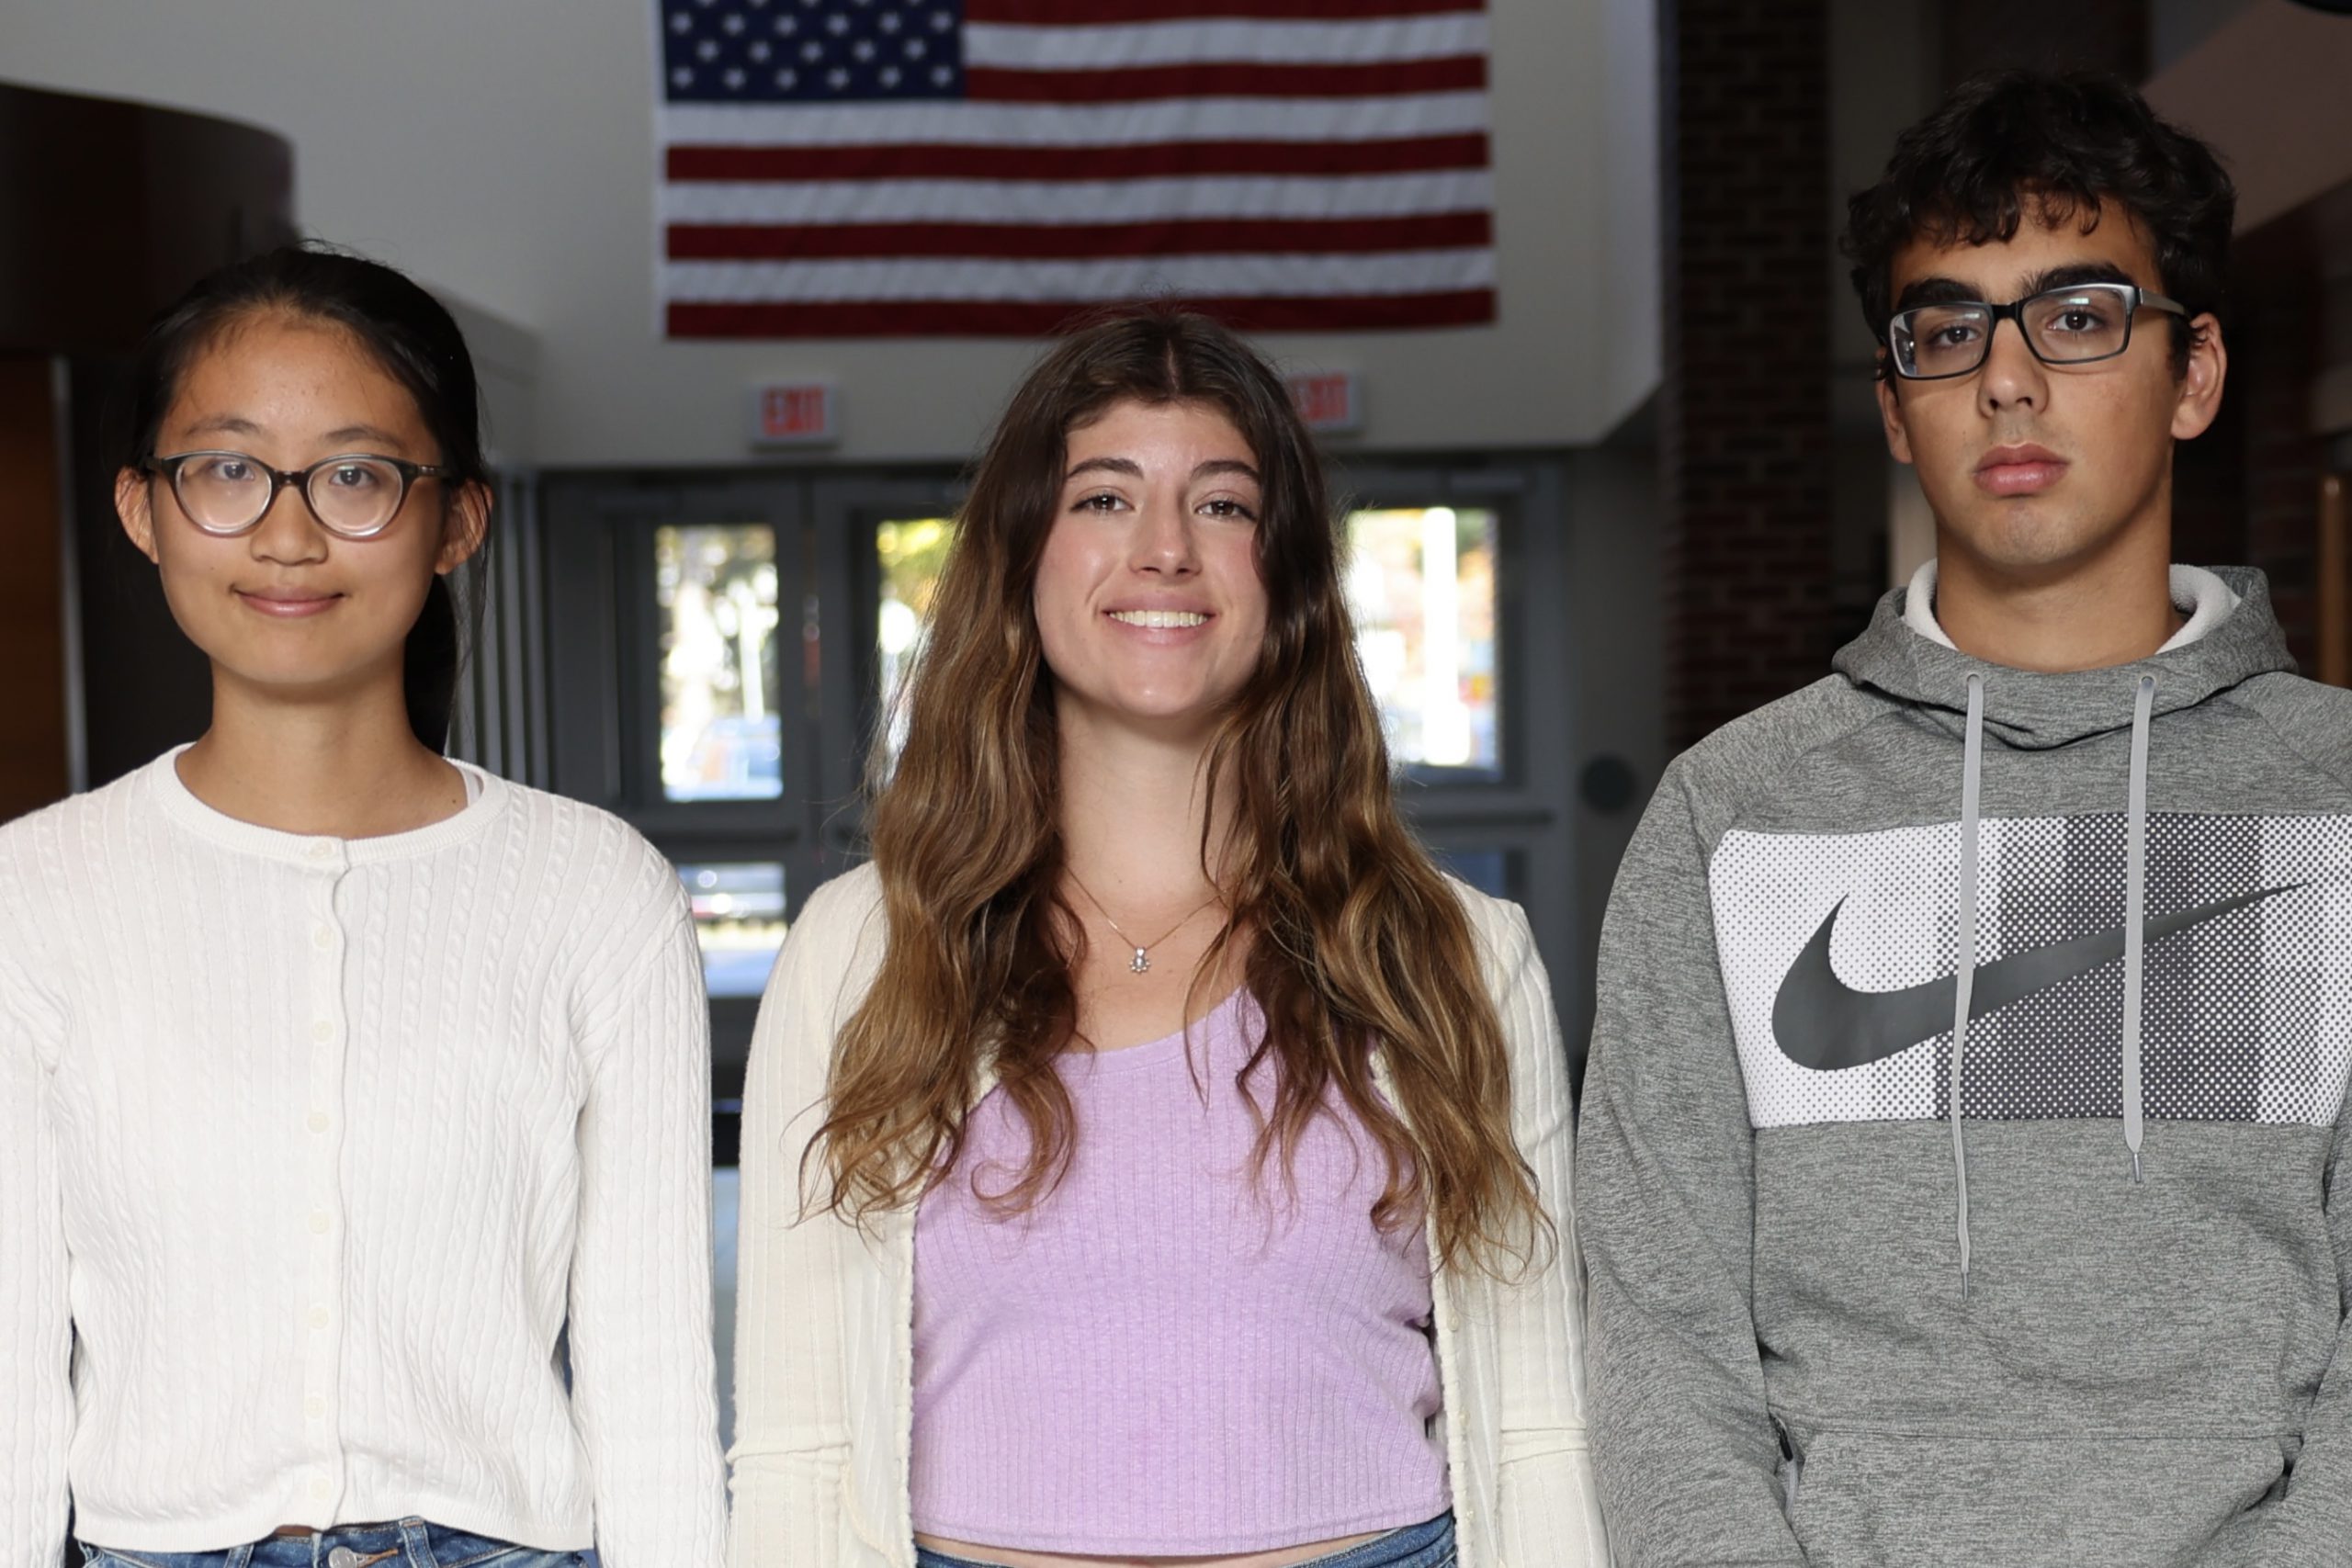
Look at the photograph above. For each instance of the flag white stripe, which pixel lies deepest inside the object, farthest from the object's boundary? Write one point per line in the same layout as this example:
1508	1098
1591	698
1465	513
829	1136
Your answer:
1079	201
1225	276
935	122
1113	46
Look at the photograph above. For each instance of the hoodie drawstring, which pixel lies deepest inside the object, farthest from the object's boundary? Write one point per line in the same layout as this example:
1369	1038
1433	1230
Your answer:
1971	777
2135	910
2135	913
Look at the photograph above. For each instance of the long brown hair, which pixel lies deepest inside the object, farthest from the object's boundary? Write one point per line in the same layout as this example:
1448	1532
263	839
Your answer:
1357	940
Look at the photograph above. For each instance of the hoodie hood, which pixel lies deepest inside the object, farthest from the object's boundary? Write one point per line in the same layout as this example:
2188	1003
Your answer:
2034	711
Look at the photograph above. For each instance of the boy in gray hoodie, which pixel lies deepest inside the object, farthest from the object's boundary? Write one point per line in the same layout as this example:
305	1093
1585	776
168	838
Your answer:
1963	1174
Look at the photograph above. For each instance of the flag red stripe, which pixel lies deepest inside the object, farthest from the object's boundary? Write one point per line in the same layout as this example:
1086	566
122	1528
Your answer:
1414	154
1116	11
932	317
1029	241
1253	80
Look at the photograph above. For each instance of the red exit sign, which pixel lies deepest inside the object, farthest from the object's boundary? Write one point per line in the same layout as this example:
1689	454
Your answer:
796	413
1331	400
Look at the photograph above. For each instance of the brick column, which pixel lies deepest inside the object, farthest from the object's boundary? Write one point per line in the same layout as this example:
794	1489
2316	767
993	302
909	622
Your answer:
1744	436
2276	357
2077	35
2248	490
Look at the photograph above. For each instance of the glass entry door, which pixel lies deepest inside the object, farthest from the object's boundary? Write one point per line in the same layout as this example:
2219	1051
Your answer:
1456	578
680	635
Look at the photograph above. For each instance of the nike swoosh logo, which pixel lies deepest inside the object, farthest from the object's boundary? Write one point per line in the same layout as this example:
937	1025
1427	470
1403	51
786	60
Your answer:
1821	1022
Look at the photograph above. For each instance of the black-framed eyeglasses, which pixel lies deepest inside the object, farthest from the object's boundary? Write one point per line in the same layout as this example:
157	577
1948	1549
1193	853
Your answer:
355	495
2078	324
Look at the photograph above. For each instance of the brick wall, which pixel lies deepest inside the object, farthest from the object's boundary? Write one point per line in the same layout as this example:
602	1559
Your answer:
2049	35
2209	479
2275	357
2248	490
1744	430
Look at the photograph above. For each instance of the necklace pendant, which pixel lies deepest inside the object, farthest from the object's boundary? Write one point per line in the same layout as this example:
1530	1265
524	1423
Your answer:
1138	964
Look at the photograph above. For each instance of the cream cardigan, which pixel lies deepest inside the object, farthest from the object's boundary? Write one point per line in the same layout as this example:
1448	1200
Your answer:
824	1359
311	1148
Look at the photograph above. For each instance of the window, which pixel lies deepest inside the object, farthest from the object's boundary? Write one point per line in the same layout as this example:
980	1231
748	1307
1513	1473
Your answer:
739	920
908	556
722	733
1421	584
1491	871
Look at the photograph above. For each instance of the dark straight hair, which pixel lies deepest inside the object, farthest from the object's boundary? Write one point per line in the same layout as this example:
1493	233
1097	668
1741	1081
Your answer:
408	332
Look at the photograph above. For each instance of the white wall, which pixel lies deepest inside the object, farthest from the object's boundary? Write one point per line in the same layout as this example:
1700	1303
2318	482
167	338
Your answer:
501	149
1631	284
2176	27
2267	89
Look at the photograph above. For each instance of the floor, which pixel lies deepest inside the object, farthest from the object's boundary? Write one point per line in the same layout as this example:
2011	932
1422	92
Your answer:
725	1186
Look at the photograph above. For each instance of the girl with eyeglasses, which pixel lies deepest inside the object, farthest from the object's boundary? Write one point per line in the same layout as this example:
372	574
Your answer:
353	1112
1151	1156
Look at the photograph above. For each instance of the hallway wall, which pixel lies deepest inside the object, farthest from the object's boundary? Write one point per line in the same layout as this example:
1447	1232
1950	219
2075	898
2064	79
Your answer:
505	153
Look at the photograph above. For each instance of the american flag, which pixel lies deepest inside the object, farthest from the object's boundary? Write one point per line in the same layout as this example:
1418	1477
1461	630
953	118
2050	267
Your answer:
993	167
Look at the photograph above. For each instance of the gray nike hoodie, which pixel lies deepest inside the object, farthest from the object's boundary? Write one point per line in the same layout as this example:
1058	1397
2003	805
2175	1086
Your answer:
1960	1172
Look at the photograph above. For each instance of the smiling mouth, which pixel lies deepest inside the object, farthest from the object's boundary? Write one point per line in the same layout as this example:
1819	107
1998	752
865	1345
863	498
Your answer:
1160	620
305	605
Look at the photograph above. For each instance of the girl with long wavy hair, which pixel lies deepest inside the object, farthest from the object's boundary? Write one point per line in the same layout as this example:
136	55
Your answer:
1151	1156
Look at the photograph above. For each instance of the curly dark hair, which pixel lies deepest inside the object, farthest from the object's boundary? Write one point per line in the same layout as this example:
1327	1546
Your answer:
2067	144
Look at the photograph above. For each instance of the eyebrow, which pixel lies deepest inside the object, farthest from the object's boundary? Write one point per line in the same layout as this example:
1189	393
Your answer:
1941	290
1218	465
227	423
237	425
361	432
1132	469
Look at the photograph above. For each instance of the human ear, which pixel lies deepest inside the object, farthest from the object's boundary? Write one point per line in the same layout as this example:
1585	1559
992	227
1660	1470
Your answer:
1890	413
134	504
2199	401
464	528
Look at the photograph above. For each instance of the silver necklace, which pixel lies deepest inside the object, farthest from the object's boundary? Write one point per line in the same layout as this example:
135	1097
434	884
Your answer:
1141	962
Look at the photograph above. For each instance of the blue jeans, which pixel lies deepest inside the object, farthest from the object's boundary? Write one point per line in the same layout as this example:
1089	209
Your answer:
409	1543
1428	1544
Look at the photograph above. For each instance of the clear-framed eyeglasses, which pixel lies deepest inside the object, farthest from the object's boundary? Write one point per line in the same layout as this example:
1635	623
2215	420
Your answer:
355	495
2079	324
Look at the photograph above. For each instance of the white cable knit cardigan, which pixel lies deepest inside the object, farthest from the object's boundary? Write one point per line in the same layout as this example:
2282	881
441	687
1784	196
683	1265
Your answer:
322	1146
824	1359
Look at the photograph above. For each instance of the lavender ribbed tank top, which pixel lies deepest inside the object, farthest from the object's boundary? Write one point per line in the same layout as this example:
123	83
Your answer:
1166	1355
